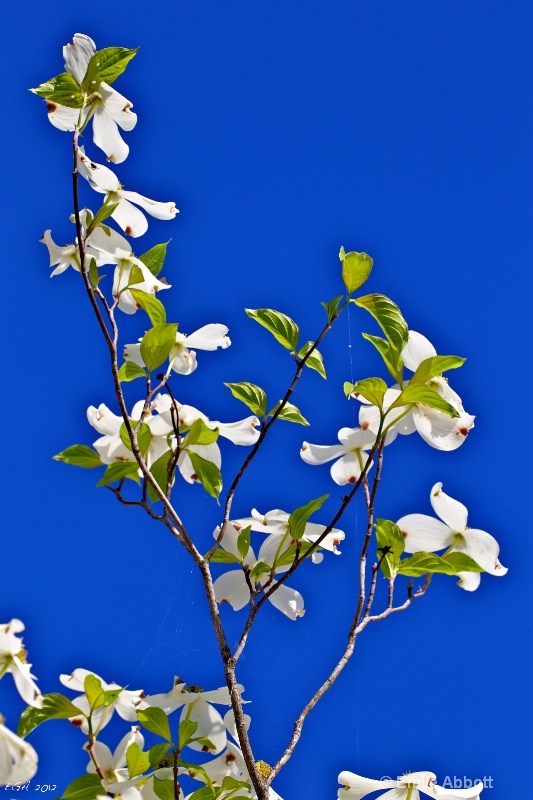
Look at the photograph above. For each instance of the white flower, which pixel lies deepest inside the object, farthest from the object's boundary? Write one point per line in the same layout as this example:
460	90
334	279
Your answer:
423	533
434	426
113	764
277	522
196	706
13	660
232	588
110	446
110	109
18	759
183	360
131	220
69	255
408	787
116	250
353	444
125	704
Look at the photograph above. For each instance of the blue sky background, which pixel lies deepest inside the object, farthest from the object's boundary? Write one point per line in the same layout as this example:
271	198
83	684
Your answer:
282	131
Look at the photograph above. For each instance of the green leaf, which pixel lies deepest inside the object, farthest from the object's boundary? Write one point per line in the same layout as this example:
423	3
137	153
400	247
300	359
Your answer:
435	365
137	761
157	344
94	692
144	435
80	455
201	434
159	470
129	371
119	470
251	395
289	413
283	328
315	360
243	542
62	90
299	517
164	789
153	307
423	563
155	258
93	273
233	783
462	563
332	307
259	569
372	389
102	214
186	731
156	754
135	277
287	557
388	316
86	787
426	396
390	546
204	793
206	744
221	556
110	695
356	267
156	721
106	65
207	473
55	706
391	357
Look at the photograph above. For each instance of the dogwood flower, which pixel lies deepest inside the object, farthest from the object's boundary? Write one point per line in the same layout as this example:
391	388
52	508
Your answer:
18	759
110	446
407	787
429	534
196	706
183	360
277	522
116	250
353	444
13	660
232	587
108	107
125	704
434	426
113	764
131	219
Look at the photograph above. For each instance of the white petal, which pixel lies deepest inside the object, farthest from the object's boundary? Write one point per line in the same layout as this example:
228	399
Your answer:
103	420
100	177
152	207
484	549
288	601
78	54
243	432
119	756
356	438
76	680
132	352
183	361
451	511
313	531
107	137
229	543
26	686
63	117
357	786
129	218
210	337
231	587
469	581
423	533
112	244
417	349
105	760
118	108
471	793
18	759
210	725
320	454
439	430
348	469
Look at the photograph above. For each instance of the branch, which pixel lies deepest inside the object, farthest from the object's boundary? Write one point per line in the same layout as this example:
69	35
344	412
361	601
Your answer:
265	427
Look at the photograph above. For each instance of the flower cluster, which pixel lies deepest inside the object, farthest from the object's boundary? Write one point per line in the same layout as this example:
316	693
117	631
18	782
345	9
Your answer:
406	787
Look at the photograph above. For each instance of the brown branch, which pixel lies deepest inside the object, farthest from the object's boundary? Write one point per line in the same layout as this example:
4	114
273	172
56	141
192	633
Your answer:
265	427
